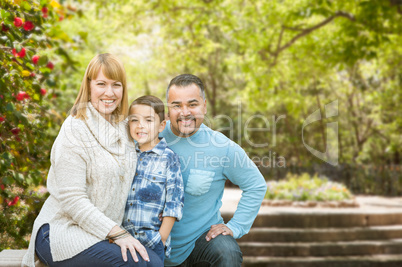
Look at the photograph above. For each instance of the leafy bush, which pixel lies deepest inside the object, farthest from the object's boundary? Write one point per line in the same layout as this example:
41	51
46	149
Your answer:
306	188
32	59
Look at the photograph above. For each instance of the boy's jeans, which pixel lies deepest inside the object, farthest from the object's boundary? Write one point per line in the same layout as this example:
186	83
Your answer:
159	249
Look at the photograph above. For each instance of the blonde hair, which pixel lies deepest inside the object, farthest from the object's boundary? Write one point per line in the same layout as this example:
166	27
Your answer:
113	69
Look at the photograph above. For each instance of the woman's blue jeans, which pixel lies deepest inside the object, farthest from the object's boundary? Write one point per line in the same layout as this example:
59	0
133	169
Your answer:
102	254
222	251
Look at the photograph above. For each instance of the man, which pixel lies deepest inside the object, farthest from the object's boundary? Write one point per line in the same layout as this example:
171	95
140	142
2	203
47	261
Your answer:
207	159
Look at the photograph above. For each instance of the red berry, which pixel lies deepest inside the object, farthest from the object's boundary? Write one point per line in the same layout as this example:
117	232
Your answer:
35	59
21	96
4	28
43	91
61	18
1	96
14	201
28	26
17	22
33	74
2	186
50	65
15	131
44	12
2	119
22	53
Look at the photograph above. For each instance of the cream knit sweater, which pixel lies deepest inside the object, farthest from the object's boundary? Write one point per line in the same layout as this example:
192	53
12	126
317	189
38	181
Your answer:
92	167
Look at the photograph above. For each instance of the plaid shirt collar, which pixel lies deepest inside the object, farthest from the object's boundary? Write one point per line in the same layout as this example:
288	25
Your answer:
158	149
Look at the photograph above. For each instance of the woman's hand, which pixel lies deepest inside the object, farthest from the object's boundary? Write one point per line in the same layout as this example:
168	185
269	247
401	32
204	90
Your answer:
133	245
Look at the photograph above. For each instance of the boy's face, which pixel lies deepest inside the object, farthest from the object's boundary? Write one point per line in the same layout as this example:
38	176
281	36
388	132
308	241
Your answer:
145	126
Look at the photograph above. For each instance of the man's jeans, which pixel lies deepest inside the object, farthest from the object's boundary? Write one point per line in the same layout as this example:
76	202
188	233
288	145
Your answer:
101	254
222	251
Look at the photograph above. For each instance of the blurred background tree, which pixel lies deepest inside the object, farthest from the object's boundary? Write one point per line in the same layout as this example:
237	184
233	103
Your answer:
267	65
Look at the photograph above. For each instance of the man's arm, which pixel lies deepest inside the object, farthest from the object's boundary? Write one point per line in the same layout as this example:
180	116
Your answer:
241	171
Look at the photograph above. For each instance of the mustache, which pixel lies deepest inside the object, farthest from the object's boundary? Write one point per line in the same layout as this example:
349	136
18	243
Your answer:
190	117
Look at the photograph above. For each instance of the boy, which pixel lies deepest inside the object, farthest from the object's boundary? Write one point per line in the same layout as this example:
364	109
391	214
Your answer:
157	185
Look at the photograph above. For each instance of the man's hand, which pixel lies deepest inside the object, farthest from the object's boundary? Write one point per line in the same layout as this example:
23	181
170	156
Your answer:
218	229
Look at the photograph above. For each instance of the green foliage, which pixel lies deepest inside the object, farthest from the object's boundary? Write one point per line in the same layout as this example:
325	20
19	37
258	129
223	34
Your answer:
306	188
32	58
275	58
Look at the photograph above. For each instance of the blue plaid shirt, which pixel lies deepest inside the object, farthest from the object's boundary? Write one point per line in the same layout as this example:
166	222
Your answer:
157	188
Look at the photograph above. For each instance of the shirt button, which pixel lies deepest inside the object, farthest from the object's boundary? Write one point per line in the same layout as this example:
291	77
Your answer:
128	220
121	177
135	233
136	173
153	178
131	204
133	189
140	159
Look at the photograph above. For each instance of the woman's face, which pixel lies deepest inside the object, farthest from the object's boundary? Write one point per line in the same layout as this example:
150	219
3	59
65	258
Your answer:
106	95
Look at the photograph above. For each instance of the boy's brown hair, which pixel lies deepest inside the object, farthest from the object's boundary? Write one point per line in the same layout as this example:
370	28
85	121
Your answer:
153	102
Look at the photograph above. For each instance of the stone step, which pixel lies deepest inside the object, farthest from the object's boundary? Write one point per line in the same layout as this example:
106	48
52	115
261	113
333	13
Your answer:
272	235
323	219
356	261
322	249
13	258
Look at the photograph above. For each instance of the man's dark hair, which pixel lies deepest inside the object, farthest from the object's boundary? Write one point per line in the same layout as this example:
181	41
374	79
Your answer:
185	80
153	102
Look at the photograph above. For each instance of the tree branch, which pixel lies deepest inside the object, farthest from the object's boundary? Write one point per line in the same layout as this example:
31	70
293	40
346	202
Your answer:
303	32
6	48
277	47
178	8
319	25
296	29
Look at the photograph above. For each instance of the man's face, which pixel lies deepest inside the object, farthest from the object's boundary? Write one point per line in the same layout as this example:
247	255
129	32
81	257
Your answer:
186	108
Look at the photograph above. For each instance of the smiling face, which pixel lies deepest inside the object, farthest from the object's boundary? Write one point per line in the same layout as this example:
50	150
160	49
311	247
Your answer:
187	109
145	126
106	95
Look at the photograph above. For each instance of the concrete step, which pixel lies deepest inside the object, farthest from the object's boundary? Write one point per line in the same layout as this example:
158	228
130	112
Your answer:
272	235
322	249
323	219
356	261
13	258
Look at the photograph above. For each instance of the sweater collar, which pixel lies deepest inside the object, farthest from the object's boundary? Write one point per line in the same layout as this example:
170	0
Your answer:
111	136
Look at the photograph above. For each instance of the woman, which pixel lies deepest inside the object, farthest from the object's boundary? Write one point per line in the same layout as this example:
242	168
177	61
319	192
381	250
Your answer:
92	167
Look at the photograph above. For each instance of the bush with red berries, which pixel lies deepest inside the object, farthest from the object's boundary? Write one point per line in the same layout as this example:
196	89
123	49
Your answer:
31	60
